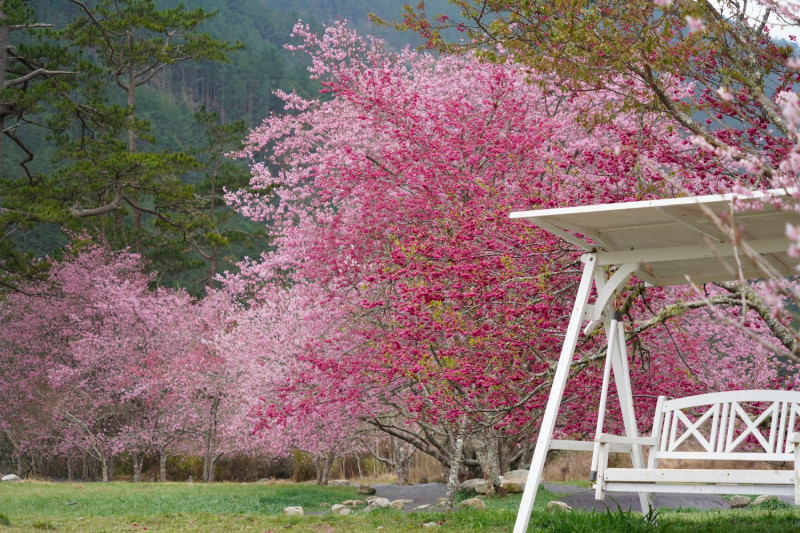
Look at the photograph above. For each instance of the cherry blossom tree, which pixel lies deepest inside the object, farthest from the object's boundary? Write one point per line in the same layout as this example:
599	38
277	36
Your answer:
110	367
393	195
724	73
282	400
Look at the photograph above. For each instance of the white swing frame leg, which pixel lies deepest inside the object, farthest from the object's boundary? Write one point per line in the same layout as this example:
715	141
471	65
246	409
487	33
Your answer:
601	410
556	393
622	378
582	310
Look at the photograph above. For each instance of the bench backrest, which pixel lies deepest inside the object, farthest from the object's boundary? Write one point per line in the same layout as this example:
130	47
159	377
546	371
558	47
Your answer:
740	425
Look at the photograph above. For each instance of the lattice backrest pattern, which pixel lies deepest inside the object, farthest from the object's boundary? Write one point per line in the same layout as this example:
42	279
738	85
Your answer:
729	424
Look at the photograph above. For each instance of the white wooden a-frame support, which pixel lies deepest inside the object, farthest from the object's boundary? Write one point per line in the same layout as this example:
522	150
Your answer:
594	312
622	378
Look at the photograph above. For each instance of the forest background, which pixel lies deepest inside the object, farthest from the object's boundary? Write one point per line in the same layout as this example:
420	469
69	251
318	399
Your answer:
198	109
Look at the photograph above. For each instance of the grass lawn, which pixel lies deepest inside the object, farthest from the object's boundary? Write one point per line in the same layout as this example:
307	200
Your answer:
163	507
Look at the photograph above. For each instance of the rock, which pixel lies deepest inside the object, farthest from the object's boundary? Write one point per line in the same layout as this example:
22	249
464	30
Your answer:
326	505
430	524
513	486
340	509
516	474
400	504
352	503
557	505
737	502
440	501
423	506
293	511
474	486
11	477
474	503
763	498
378	503
364	490
339	482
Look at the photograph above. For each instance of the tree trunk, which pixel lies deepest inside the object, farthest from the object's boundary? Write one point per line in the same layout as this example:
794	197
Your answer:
502	451
402	460
70	469
489	459
210	456
131	97
162	465
452	478
326	471
4	109
138	242
137	458
323	465
104	468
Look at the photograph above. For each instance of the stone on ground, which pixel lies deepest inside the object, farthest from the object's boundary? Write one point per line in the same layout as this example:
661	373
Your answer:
366	490
513	486
474	486
423	506
560	506
516	474
11	477
352	503
737	502
293	511
339	482
378	503
430	524
513	481
340	509
474	503
400	504
763	498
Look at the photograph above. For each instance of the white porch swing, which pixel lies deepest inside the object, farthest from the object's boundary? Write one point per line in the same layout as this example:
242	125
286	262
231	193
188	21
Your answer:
667	242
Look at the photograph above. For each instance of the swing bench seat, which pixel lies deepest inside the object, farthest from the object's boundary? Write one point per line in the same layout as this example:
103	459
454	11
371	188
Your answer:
759	427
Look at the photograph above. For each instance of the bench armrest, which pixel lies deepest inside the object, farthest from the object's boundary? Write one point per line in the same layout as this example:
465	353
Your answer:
605	438
794	437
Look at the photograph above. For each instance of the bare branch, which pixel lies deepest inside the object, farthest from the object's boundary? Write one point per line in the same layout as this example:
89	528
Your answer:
40	72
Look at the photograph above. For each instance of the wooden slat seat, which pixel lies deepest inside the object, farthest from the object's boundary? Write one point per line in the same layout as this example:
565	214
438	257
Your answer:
759	426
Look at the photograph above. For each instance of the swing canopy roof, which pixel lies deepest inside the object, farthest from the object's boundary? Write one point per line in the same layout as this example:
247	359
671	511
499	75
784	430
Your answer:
676	240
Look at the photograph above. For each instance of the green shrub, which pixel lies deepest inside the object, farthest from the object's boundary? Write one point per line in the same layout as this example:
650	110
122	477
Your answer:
303	467
772	504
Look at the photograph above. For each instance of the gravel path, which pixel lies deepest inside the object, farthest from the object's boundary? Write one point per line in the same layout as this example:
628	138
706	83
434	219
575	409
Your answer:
421	493
575	497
